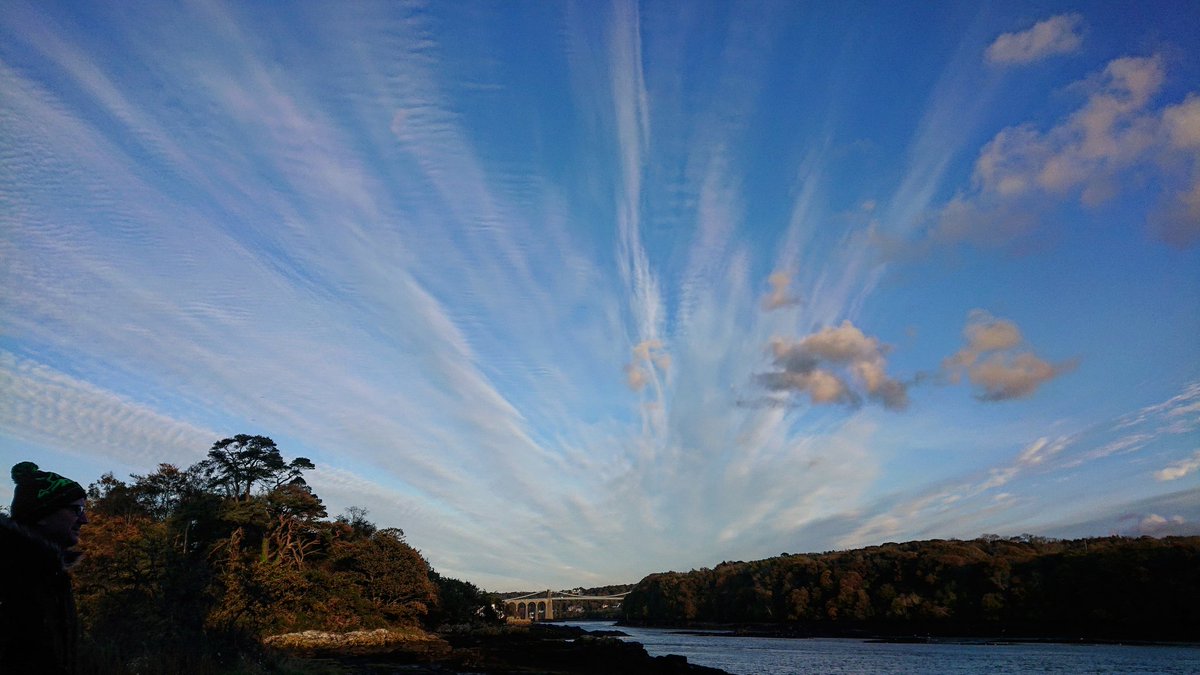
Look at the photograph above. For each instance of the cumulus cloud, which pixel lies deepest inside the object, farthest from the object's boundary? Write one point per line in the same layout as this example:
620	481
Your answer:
635	377
1155	524
1180	469
779	295
1182	123
1177	220
1109	132
1088	156
1056	35
1003	378
648	355
835	366
996	361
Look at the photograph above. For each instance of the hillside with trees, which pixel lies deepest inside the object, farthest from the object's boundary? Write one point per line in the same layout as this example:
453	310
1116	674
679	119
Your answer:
184	567
1104	588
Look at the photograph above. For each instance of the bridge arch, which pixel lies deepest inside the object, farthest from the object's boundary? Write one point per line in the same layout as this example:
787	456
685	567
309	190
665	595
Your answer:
540	606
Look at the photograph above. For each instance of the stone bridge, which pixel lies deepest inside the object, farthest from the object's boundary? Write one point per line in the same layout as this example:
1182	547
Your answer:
539	606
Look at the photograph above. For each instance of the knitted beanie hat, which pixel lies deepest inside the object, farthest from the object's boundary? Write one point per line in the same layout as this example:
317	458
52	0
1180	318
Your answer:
40	493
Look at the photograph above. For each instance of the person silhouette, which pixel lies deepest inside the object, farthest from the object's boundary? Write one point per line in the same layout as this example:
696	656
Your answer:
38	622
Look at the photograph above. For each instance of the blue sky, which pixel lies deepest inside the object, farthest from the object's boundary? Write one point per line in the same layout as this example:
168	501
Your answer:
576	292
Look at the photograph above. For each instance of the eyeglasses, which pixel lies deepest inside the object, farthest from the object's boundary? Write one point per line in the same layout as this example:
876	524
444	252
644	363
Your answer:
76	508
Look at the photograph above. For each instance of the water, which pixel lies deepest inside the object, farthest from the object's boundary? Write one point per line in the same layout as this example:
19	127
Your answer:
820	656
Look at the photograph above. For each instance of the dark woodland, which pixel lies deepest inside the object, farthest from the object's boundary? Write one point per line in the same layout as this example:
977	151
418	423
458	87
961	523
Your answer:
1112	588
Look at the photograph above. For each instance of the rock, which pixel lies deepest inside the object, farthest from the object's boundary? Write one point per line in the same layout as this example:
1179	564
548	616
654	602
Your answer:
537	649
380	640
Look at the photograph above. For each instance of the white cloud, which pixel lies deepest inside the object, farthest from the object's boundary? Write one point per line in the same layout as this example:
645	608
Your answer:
998	477
1032	458
1133	432
1183	123
635	377
1056	35
650	363
832	365
1002	378
338	255
315	327
43	405
1156	524
1179	469
966	506
1182	405
997	362
1111	131
1023	170
1041	450
780	294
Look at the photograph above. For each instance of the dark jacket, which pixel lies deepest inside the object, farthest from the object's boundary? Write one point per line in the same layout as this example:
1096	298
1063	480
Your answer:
38	624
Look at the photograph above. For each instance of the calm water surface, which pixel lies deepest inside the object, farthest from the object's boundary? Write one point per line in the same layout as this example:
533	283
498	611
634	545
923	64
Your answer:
783	656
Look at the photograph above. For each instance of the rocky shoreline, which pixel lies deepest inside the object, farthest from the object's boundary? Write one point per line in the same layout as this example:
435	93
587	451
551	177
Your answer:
537	649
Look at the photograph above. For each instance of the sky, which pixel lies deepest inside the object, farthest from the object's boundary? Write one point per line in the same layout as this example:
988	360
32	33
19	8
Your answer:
575	292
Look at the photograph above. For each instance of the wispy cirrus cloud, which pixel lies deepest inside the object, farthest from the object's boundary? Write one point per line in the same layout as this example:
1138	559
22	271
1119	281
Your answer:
648	357
1032	456
43	405
1039	451
264	319
352	344
1131	433
1049	37
397	248
955	106
971	504
1179	411
626	114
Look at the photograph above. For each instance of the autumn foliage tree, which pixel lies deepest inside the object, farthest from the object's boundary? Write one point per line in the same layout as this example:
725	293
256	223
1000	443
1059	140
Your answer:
205	560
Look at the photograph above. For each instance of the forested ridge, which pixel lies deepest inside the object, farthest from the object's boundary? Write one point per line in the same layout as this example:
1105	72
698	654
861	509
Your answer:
186	568
1101	588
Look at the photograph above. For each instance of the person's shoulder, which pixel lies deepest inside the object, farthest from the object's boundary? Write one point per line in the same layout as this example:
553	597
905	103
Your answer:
24	550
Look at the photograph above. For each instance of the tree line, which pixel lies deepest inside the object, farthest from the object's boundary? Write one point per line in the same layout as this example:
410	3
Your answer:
190	566
1100	588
